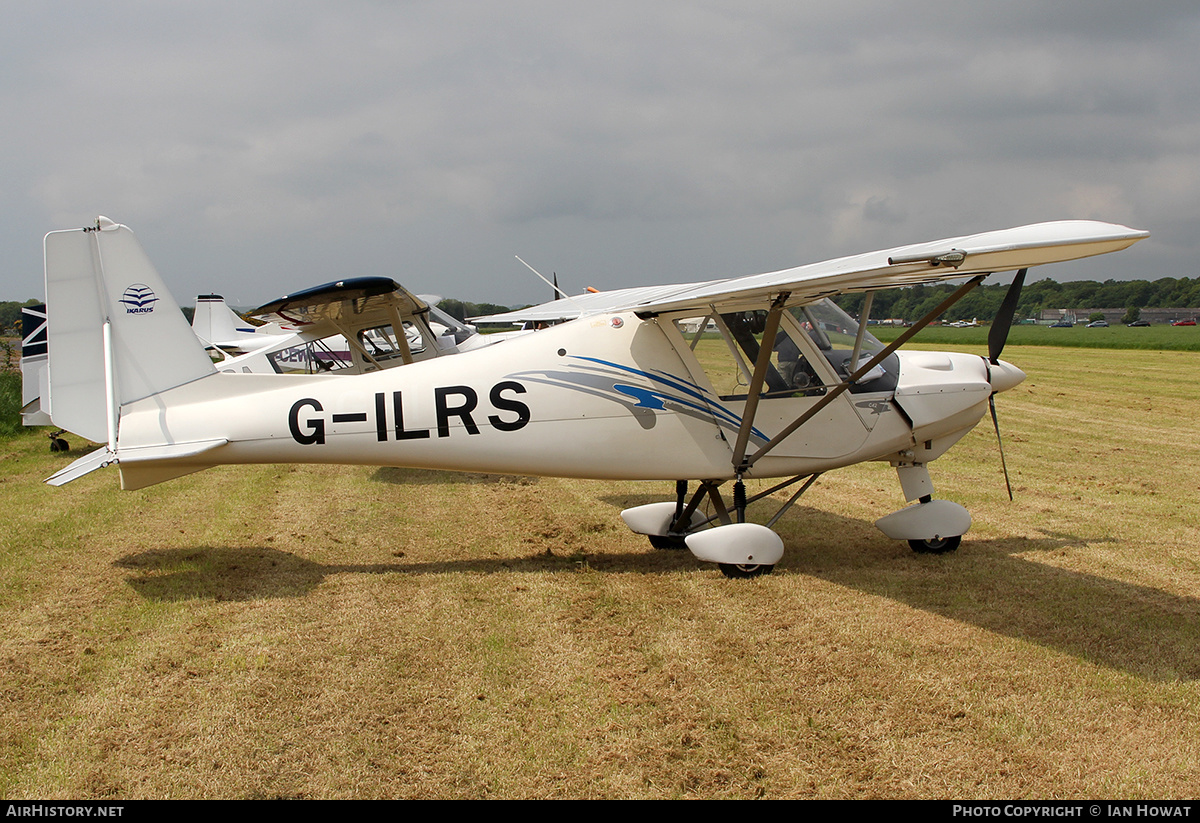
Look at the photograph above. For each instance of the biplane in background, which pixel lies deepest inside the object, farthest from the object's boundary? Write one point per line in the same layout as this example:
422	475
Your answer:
629	389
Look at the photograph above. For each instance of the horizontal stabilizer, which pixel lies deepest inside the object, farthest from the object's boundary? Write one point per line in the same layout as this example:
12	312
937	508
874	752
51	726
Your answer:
141	466
147	465
87	464
172	451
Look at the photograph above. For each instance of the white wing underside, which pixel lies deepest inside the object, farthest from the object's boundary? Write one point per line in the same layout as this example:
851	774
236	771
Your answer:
989	252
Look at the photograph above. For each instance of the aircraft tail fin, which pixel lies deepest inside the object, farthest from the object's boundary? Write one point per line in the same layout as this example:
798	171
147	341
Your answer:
115	333
215	322
33	366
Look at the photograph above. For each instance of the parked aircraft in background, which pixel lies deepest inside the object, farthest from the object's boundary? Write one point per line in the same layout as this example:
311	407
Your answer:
308	332
313	331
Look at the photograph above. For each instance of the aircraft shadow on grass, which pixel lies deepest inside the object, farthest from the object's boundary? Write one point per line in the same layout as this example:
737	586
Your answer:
436	477
1147	632
227	573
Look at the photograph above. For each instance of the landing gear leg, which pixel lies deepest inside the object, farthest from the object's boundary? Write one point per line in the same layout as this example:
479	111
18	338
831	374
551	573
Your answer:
681	518
681	487
930	526
57	444
739	549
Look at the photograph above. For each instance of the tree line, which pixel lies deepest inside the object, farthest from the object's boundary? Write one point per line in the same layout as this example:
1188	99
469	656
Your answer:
10	315
983	301
462	309
908	303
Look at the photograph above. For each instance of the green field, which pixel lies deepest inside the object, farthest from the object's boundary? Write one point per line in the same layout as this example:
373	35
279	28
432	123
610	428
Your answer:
10	403
328	632
1160	337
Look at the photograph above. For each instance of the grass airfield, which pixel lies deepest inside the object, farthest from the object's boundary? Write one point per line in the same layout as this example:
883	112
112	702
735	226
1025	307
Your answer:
326	632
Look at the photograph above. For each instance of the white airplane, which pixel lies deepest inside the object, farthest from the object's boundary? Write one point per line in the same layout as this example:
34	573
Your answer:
790	388
33	367
346	325
220	327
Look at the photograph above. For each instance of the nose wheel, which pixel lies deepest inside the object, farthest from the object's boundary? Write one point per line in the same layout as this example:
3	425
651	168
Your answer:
741	571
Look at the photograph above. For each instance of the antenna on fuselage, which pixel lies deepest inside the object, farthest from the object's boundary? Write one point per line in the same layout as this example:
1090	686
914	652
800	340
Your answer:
553	285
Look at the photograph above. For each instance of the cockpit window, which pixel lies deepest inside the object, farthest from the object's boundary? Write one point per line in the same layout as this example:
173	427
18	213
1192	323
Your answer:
380	342
314	357
455	328
728	345
834	332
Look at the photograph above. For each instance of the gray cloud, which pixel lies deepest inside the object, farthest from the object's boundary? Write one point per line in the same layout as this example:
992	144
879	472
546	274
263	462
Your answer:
259	148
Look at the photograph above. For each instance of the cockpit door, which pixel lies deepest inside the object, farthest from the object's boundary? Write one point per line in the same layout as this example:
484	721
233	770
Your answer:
725	348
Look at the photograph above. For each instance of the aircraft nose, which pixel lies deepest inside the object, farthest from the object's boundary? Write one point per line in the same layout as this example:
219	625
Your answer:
1004	376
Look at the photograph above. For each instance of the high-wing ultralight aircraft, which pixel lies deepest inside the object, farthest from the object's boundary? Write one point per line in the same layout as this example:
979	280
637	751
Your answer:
313	330
635	387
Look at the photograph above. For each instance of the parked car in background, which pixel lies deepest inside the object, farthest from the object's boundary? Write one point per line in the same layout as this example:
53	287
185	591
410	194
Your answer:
1184	323
1063	324
1139	323
1098	324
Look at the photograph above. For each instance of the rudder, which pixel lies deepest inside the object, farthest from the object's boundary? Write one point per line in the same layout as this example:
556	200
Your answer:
97	277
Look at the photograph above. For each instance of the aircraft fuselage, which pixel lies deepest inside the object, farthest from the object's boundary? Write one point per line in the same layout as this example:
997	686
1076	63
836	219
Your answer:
616	397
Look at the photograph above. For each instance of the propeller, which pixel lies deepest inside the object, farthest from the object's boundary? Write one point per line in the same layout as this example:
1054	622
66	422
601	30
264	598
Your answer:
1000	443
998	334
997	337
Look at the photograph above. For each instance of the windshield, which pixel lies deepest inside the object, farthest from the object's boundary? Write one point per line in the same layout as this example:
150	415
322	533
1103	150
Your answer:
834	332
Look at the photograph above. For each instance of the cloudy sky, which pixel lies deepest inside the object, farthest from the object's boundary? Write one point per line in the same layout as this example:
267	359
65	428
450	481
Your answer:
261	147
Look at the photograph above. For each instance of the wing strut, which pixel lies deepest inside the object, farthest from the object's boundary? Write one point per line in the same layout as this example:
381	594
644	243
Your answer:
743	463
354	344
400	334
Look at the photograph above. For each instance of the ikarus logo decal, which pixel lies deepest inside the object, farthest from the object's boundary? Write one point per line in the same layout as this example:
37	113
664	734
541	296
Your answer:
139	299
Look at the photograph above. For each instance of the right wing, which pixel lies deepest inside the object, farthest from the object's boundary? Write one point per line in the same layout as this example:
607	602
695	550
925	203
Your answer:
949	259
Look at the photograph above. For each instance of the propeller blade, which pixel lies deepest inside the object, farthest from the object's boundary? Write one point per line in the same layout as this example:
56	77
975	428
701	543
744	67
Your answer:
1000	443
998	334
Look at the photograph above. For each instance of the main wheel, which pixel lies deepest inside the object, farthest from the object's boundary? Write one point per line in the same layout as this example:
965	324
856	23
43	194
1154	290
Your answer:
943	546
667	541
741	571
